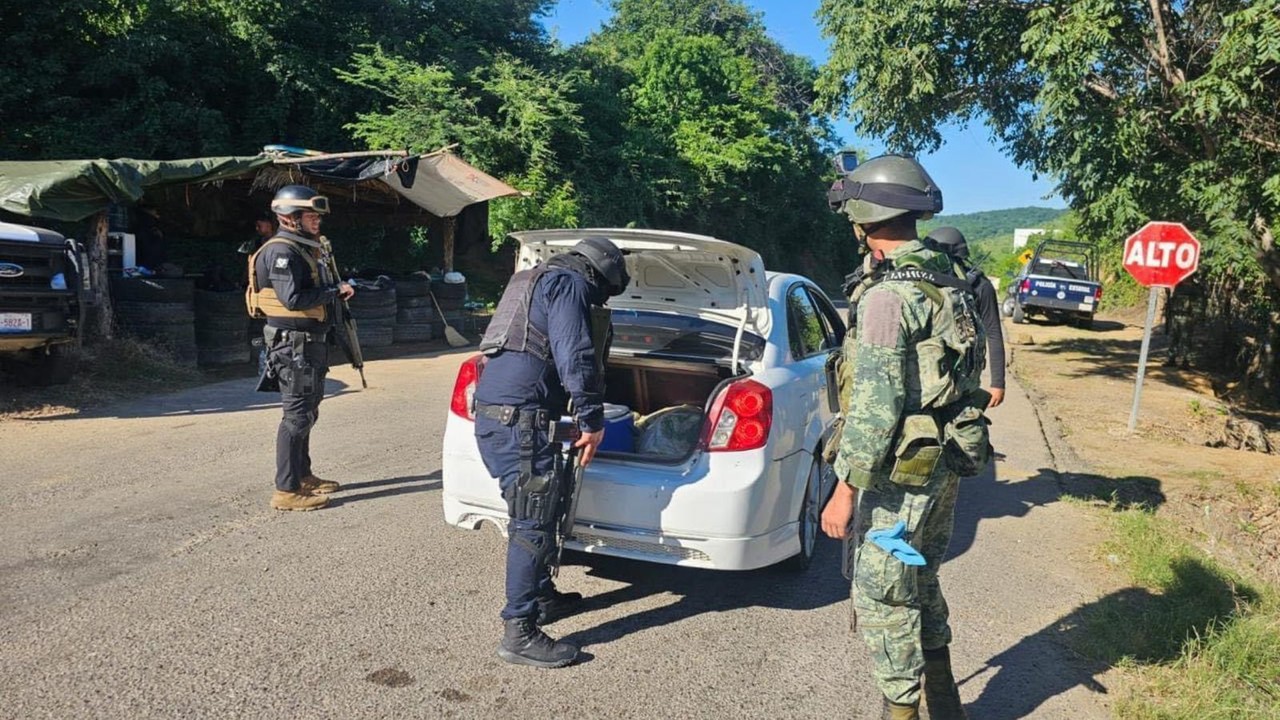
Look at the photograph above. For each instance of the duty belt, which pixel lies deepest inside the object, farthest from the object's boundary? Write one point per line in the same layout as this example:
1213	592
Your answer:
294	335
510	414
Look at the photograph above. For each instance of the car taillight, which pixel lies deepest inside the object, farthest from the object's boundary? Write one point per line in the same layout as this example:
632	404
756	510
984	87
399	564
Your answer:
740	417
1026	285
464	388
1097	293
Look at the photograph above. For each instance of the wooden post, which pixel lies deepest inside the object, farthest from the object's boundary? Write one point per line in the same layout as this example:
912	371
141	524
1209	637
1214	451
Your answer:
101	318
450	228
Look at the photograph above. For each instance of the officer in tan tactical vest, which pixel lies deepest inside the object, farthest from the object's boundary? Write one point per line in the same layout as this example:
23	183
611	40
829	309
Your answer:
289	287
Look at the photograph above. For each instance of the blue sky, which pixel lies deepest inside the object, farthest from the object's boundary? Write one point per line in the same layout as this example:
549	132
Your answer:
973	173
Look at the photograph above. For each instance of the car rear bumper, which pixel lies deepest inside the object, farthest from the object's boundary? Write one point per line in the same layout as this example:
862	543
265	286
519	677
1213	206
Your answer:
722	511
1067	305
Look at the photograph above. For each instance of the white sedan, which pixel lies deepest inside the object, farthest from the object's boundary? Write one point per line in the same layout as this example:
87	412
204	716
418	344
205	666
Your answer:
720	404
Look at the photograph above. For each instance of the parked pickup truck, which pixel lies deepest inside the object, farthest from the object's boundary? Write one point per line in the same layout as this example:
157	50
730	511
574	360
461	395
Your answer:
1059	282
42	303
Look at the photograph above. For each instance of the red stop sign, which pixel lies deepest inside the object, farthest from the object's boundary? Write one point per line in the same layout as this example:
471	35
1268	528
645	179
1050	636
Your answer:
1161	254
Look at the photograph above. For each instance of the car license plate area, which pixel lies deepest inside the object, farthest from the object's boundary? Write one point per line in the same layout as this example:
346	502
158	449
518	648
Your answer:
15	322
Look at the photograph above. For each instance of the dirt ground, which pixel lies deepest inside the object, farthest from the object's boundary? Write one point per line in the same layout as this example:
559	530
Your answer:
1083	383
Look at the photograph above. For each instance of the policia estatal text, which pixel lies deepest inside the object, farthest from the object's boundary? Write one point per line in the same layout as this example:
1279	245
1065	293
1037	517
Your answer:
545	352
290	287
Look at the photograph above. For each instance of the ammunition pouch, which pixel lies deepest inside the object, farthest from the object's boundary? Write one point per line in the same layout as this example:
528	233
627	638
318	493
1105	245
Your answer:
917	452
966	434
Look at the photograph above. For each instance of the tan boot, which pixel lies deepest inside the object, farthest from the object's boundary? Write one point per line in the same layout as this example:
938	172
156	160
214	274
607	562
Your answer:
941	696
894	711
315	486
282	500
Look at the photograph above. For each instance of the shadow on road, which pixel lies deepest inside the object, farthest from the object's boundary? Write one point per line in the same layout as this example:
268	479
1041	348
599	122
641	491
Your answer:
706	591
388	487
985	497
223	391
1133	624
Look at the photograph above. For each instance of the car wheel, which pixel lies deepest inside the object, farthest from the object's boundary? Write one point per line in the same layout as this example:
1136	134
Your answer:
810	523
1017	314
1006	308
53	367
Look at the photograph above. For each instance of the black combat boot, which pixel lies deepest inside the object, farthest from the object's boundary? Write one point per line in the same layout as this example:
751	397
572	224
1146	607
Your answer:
524	644
559	605
941	696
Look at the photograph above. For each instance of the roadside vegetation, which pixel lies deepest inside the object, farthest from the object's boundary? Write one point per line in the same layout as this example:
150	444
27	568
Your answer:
1199	639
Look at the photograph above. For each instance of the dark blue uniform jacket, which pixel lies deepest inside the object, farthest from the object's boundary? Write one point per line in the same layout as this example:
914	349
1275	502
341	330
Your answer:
561	307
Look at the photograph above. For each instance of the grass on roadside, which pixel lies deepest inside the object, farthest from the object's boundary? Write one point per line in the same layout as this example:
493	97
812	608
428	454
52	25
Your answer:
1201	641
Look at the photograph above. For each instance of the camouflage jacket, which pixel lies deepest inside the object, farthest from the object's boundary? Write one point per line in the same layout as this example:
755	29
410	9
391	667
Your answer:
893	316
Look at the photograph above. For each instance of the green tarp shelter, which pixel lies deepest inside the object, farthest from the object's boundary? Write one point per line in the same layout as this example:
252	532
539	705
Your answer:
73	190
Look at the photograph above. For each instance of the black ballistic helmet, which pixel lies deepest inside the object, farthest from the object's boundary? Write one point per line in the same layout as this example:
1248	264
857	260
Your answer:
607	260
951	241
292	199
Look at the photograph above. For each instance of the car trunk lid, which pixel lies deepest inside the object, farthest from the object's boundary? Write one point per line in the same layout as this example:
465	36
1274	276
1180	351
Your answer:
672	272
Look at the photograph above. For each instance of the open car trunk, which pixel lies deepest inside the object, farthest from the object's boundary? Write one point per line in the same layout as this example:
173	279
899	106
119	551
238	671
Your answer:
662	373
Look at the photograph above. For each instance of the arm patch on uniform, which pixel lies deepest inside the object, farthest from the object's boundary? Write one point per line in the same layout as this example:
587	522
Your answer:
881	320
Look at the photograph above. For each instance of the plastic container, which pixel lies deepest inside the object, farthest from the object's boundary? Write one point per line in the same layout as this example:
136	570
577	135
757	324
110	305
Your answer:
618	429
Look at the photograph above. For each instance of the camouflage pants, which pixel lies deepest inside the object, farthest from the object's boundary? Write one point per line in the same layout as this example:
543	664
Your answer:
900	607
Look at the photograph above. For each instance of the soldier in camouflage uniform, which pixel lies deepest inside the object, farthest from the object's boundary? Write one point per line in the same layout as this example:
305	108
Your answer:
895	458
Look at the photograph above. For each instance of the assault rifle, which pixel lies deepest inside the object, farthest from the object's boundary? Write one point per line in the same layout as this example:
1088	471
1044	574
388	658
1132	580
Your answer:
348	339
570	471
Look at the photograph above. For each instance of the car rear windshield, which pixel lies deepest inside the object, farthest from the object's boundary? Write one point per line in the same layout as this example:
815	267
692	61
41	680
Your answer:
639	332
1061	269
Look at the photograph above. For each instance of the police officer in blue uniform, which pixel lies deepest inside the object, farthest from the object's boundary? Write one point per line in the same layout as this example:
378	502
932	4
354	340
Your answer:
290	289
543	354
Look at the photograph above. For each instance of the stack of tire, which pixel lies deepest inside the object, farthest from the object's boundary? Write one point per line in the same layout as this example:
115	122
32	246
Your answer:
416	317
452	298
159	311
374	310
222	328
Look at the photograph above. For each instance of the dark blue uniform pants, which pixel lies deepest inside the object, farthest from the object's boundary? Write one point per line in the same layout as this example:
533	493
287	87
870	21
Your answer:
301	390
528	574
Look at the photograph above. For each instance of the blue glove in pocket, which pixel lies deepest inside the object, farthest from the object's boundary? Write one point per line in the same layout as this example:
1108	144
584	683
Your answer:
891	542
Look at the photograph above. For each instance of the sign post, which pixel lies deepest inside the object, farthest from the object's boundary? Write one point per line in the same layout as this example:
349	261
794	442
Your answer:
1160	255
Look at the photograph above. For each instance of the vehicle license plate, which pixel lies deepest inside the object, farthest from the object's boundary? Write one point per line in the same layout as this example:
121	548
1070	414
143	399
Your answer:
15	322
1086	306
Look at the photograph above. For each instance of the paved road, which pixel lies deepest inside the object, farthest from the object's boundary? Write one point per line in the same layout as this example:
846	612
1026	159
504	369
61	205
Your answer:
143	575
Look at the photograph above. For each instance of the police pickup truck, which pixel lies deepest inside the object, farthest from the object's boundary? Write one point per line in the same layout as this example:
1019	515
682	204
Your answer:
1058	282
42	303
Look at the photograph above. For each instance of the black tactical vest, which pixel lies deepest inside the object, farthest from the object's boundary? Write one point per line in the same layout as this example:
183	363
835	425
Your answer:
510	328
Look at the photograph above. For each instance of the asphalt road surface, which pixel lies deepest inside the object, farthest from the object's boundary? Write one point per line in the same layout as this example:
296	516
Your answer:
142	575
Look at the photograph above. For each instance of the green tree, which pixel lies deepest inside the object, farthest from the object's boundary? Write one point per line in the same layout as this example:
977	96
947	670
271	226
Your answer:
1140	110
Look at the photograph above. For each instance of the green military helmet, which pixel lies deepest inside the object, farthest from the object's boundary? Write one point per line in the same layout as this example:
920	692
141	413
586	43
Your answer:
883	188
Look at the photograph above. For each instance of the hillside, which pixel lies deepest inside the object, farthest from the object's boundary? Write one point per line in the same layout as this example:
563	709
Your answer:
995	223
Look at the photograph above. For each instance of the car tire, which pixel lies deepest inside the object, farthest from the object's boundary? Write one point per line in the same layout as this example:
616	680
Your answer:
1017	314
810	520
55	368
1006	308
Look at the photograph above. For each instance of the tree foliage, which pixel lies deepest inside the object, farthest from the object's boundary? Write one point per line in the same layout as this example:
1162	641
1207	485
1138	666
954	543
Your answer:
1140	109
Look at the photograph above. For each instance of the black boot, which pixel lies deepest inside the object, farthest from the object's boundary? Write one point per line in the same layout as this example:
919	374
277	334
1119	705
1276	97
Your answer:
941	696
558	606
524	644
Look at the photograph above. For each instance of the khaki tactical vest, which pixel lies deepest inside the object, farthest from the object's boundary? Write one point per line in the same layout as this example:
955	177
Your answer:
264	303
